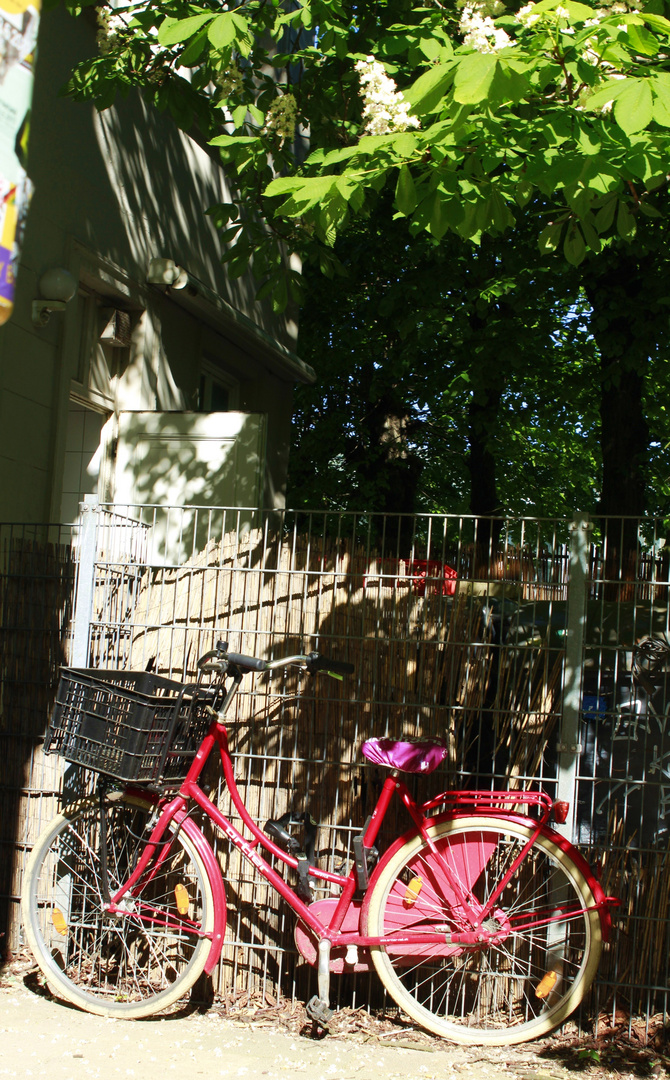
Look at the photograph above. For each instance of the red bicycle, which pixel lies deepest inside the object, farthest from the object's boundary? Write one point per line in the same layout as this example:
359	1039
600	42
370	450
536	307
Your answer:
483	923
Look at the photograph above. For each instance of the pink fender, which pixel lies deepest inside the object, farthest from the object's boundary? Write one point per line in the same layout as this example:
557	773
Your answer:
213	873
602	901
216	881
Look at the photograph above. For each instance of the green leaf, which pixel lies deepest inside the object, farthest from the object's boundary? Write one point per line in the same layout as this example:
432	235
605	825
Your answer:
439	219
429	88
222	31
280	296
660	85
642	41
237	266
172	33
550	237
633	107
605	216
588	141
524	193
578	12
405	191
267	288
474	77
282	185
625	223
233	141
648	210
609	91
501	216
574	246
590	234
657	22
193	52
431	48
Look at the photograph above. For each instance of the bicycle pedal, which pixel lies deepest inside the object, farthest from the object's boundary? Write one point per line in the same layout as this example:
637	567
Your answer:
319	1012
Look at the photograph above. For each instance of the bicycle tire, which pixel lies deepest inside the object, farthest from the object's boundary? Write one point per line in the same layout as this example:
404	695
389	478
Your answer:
492	994
127	966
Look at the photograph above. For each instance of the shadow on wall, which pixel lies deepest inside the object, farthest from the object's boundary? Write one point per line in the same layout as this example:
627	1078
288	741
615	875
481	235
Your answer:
126	183
36	582
188	460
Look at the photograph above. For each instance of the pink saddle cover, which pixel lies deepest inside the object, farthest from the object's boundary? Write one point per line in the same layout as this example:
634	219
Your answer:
408	755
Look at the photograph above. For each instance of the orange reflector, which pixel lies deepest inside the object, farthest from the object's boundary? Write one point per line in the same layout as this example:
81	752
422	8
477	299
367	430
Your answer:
546	985
58	919
182	898
412	891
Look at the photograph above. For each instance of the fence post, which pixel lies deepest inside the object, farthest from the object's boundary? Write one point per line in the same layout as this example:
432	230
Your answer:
569	747
83	601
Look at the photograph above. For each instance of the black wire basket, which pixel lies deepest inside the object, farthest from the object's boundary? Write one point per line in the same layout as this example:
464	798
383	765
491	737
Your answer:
129	725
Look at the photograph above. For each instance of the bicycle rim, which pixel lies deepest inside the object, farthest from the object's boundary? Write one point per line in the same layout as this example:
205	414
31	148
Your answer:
129	965
547	945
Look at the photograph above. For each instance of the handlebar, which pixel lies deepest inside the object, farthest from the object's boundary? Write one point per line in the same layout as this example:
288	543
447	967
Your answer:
220	661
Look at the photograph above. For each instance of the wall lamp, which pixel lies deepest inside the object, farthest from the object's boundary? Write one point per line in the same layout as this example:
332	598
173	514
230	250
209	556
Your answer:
58	286
166	272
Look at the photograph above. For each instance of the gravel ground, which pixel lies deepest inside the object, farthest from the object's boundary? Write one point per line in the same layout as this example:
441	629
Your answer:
43	1037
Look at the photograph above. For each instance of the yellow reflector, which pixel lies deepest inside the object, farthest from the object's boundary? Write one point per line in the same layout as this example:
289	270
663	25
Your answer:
182	898
546	984
58	919
412	891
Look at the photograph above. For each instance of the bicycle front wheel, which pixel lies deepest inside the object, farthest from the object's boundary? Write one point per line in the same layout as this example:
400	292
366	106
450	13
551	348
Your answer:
129	964
544	933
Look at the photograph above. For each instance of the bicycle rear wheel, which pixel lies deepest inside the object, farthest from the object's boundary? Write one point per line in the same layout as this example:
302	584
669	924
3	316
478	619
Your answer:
546	943
128	965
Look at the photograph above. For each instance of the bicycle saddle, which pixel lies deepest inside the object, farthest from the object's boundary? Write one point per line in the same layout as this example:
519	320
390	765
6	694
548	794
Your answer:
407	755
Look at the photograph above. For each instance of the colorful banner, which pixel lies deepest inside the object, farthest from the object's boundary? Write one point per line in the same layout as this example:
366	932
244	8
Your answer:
19	20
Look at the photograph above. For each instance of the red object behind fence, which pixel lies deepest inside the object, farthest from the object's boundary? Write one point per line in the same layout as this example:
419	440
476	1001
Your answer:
421	571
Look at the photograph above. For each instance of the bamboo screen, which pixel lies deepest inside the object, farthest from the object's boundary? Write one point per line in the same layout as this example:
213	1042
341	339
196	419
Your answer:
446	638
427	655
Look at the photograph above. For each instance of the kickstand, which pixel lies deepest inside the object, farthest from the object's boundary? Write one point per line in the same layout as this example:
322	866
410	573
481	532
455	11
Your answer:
318	1008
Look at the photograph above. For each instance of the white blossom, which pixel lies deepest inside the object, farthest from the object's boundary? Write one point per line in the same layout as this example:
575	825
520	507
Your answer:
598	16
479	31
527	16
111	27
385	109
280	119
562	13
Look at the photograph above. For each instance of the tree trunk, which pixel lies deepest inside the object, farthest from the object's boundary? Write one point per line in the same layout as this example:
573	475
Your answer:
621	290
482	417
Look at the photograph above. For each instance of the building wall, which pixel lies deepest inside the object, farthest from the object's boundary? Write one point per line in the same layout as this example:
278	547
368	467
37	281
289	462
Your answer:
113	191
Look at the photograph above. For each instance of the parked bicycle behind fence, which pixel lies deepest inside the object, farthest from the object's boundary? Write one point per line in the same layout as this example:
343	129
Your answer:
483	923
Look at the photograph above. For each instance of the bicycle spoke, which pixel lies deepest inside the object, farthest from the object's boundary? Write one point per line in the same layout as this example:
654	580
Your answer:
538	931
125	962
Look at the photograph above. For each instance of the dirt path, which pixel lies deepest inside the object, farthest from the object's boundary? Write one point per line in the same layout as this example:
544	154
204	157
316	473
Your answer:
41	1037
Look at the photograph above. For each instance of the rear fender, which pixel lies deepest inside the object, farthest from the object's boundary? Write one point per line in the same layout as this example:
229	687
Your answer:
522	819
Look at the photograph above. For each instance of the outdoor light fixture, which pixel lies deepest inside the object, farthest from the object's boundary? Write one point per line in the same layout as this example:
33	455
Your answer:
58	287
166	272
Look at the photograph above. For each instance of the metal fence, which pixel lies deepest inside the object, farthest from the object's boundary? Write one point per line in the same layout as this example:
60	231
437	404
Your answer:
511	638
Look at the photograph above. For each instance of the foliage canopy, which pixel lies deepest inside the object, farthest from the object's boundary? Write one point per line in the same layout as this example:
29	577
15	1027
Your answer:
560	110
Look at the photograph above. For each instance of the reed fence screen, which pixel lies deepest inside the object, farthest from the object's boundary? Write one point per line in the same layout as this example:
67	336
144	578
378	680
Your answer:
517	651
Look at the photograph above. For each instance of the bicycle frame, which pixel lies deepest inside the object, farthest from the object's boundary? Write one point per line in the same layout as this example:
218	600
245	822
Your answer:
472	915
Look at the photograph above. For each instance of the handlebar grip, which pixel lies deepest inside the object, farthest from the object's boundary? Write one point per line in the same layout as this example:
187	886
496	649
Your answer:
246	663
317	662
